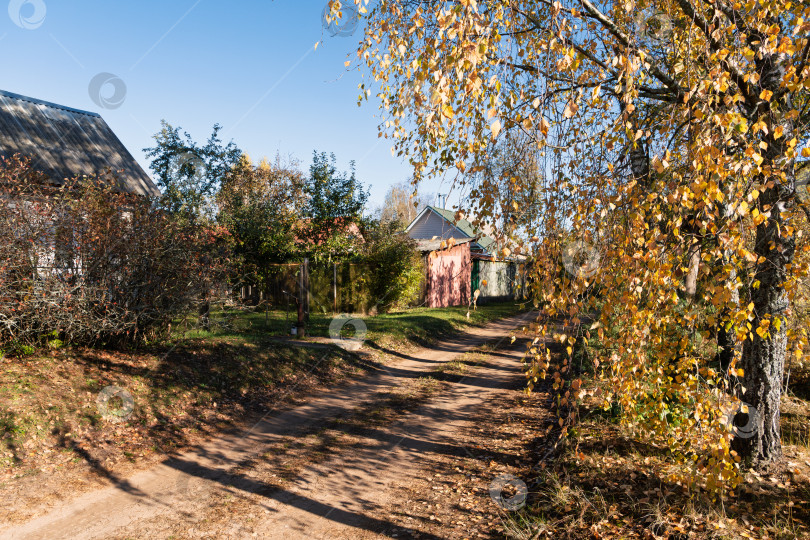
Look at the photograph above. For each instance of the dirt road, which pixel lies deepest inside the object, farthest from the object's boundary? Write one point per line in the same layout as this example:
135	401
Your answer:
284	477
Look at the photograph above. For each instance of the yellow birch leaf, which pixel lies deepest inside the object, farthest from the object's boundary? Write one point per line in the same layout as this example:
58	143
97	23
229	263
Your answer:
544	126
570	109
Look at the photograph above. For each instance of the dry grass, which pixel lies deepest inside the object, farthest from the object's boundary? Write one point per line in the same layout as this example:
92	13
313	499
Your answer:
607	484
604	483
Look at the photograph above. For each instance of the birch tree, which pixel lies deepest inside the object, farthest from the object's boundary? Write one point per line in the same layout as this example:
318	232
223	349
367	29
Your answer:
670	134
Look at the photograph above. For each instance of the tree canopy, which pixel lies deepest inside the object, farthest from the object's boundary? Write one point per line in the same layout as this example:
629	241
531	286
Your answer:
334	205
260	206
190	174
402	204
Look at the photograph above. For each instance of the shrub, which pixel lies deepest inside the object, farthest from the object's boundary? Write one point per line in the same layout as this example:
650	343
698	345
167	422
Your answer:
84	263
395	267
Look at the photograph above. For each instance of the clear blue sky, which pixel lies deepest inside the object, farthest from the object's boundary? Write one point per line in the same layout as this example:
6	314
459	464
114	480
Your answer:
250	66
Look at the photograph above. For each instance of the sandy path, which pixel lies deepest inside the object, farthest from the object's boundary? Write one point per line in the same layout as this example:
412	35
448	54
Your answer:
335	499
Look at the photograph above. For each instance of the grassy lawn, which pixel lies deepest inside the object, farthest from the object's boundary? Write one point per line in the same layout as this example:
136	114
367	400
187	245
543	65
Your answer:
418	326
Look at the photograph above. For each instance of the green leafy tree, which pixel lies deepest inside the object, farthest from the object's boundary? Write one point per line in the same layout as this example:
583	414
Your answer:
259	205
190	174
334	209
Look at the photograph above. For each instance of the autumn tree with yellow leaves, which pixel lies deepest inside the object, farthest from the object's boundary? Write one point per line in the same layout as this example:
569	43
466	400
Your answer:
669	136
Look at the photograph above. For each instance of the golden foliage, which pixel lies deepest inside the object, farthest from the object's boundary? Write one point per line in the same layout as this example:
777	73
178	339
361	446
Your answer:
668	135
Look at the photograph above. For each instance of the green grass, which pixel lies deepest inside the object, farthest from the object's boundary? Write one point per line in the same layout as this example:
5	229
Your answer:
423	326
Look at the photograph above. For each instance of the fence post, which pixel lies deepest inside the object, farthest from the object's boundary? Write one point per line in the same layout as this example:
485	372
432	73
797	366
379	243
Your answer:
334	283
303	298
307	295
300	324
205	312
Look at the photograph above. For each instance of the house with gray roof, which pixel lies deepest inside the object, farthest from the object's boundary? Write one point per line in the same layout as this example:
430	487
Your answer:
64	142
434	223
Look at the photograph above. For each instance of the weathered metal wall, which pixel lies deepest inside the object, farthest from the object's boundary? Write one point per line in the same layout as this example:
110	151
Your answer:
501	280
448	277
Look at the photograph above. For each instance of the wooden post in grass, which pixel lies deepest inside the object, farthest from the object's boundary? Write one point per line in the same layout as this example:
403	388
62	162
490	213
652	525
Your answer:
205	312
306	291
303	298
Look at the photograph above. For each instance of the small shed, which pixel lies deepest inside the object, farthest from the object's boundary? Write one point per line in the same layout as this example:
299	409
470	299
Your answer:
448	266
500	280
64	142
496	280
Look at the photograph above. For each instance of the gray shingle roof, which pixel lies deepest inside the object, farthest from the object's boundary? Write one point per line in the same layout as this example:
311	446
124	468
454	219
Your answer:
63	142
